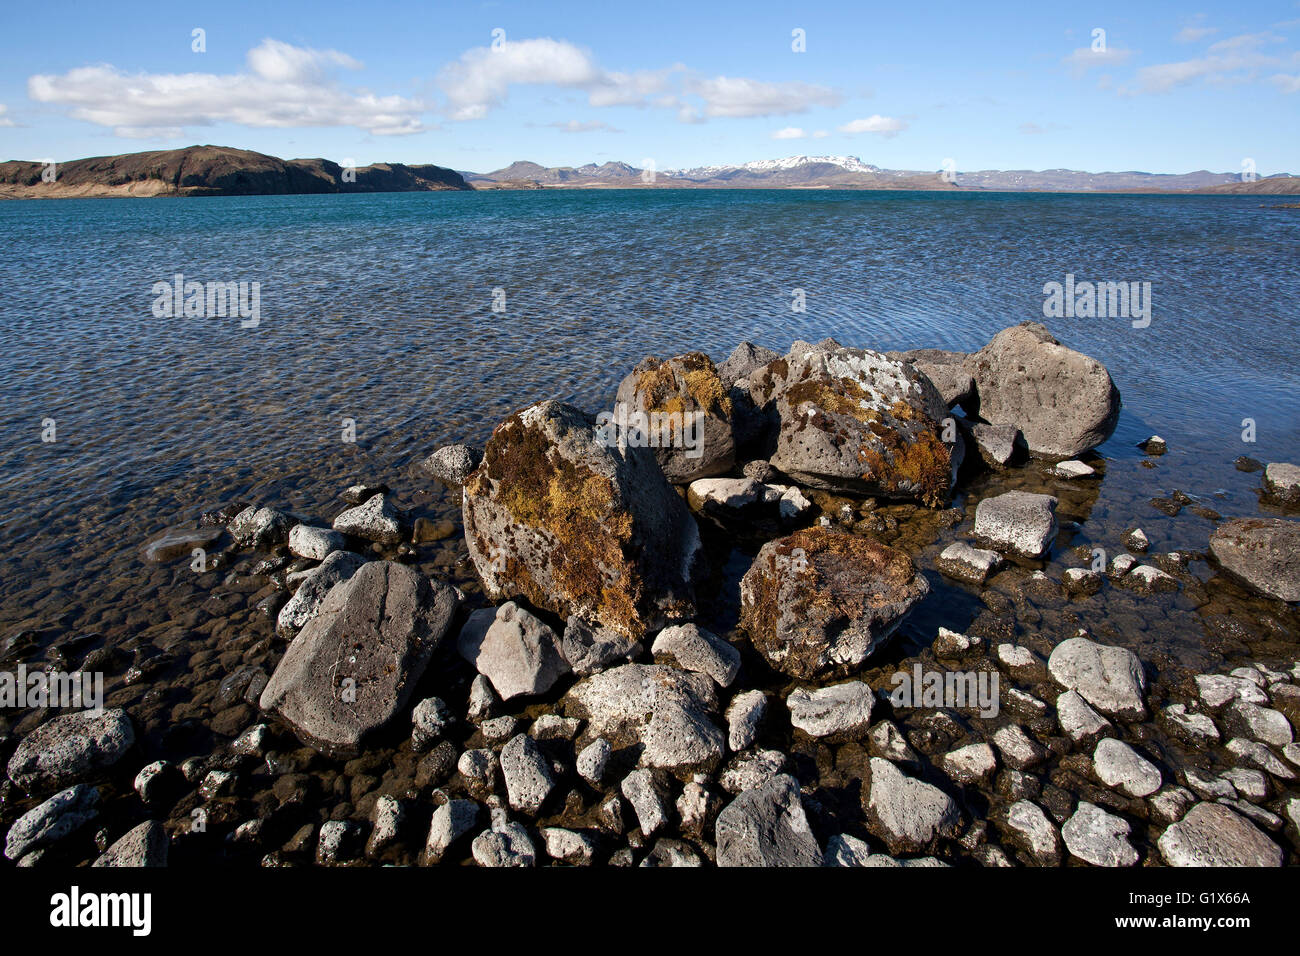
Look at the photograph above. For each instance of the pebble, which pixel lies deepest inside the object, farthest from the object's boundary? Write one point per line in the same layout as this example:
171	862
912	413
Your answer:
451	821
840	711
593	760
527	774
744	716
1098	837
973	765
641	790
1213	835
1028	827
1121	767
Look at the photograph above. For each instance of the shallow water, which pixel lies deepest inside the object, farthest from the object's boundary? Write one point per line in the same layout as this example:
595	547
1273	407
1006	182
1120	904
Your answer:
379	309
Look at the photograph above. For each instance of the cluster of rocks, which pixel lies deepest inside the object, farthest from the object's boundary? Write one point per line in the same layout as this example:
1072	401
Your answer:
605	723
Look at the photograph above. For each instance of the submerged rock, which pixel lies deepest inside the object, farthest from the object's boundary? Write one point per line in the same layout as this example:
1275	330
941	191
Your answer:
578	525
260	527
1263	553
964	563
1282	482
178	542
856	421
71	748
376	520
1120	766
1063	402
352	668
688	415
822	601
766	826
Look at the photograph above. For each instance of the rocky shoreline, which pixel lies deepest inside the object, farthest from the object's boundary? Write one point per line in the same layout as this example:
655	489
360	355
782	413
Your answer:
615	682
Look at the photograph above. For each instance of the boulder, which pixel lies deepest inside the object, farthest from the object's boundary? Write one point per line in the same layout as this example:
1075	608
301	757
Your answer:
682	411
1213	835
578	524
1020	522
1282	482
946	370
1263	553
670	713
767	826
306	601
352	668
821	601
453	464
1063	402
855	421
70	749
517	651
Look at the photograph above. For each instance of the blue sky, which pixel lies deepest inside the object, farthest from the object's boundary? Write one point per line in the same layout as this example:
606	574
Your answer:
1175	87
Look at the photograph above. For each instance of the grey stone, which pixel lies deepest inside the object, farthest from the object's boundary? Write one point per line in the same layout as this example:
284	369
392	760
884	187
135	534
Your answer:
71	748
338	566
1213	835
352	668
518	653
453	464
972	765
1083	725
646	796
1249	720
840	712
1028	827
177	542
766	826
1098	837
376	520
527	776
1020	522
429	721
1119	766
1263	553
314	543
259	527
141	846
592	761
696	649
590	648
745	715
751	769
451	821
907	814
1282	481
64	813
964	563
569	846
1111	679
504	846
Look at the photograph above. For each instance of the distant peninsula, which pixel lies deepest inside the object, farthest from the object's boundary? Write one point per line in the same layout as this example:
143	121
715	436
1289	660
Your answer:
224	171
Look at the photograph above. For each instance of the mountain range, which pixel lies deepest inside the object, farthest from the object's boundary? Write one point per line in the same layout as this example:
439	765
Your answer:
223	171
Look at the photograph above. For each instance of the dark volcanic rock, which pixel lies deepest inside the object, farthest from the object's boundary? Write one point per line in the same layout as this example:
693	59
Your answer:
1264	553
575	526
353	666
767	826
821	601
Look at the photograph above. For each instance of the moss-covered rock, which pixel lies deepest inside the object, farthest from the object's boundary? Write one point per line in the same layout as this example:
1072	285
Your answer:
821	601
853	420
579	526
688	415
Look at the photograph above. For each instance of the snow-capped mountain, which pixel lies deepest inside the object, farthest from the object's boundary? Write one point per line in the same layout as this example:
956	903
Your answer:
850	164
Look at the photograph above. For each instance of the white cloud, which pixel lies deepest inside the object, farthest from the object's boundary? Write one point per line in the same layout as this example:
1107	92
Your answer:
576	126
1285	83
1194	29
790	132
1083	59
285	86
886	126
1234	60
820	134
737	96
5	120
482	78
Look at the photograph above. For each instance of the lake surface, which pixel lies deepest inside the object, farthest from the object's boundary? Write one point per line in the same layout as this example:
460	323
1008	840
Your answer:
379	310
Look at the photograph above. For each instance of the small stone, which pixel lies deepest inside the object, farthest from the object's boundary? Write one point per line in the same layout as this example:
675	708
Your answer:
841	711
1120	766
217	783
887	741
641	790
527	775
1028	827
1083	725
478	767
1083	581
453	464
1282	481
973	765
1217	691
151	780
1111	679
590	649
1251	784
1098	837
593	760
845	850
498	729
671	853
376	520
1213	835
1169	805
965	563
751	769
429	721
451	821
696	649
1257	723
1137	541
503	846
1155	445
1072	469
950	645
315	543
142	846
696	807
1121	564
336	840
1017	521
62	814
1191	728
1209	788
569	846
386	821
483	700
1146	579
516	651
744	716
554	727
907	814
767	826
1018	750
